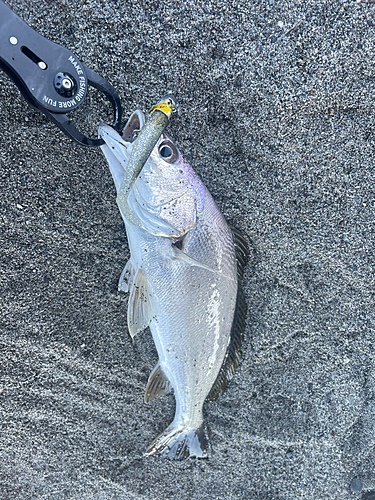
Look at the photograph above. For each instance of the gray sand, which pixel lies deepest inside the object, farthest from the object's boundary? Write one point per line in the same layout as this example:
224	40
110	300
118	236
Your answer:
277	117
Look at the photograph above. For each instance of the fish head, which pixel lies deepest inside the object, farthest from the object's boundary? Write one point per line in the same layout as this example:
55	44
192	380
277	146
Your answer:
167	193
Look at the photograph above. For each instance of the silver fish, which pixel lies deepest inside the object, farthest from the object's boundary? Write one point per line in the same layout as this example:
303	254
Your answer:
184	282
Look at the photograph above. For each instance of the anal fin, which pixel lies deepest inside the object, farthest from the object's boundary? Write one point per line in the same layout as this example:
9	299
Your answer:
157	384
234	352
141	307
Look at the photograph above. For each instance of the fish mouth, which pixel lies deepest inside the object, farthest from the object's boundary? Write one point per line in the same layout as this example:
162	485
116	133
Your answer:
117	147
134	125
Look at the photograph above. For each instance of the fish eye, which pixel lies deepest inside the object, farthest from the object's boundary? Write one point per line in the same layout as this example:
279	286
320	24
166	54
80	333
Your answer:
168	151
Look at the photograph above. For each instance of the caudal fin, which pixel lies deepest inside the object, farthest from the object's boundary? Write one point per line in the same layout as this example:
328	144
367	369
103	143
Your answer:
178	442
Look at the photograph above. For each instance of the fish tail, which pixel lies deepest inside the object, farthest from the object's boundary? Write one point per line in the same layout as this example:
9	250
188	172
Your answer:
178	442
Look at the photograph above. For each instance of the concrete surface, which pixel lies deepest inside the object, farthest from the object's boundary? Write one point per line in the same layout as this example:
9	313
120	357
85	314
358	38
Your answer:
277	117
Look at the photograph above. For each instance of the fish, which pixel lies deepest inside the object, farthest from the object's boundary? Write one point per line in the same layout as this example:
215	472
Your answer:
184	282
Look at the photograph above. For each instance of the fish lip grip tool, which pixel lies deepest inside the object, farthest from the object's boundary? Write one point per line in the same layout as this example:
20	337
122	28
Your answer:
50	77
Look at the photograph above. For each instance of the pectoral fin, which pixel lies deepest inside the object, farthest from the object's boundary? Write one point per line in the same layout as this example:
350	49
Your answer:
178	254
157	384
141	308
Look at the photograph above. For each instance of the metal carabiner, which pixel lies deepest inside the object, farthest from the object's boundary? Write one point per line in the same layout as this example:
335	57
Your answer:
50	77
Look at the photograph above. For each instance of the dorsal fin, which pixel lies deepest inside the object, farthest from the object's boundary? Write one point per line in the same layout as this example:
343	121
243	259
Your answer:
141	304
233	354
157	384
242	251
